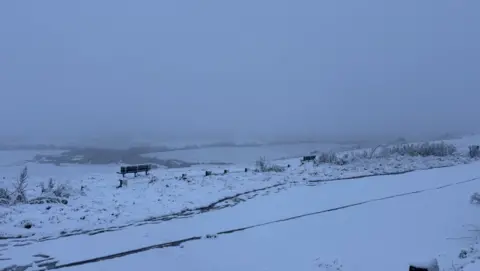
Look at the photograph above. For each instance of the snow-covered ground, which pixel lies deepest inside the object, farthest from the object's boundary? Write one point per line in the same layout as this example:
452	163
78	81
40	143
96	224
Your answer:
376	223
97	204
144	213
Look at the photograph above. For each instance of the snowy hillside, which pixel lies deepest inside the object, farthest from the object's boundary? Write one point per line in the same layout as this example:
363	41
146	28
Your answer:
304	217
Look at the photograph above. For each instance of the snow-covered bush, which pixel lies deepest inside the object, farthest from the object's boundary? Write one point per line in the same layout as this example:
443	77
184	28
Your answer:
275	168
356	156
4	196
153	179
20	187
440	149
46	200
62	191
53	189
474	151
362	155
49	187
19	192
27	224
324	266
331	158
475	198
263	166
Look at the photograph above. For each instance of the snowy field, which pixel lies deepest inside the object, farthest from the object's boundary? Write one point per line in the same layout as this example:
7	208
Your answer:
375	223
371	226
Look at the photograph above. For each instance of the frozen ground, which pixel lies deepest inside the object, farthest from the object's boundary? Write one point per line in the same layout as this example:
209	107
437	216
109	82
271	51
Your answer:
137	215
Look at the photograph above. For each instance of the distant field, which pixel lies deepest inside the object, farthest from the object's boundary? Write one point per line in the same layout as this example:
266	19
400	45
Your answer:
241	155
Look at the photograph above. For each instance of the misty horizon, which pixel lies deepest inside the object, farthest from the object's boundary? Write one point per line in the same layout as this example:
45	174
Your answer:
237	71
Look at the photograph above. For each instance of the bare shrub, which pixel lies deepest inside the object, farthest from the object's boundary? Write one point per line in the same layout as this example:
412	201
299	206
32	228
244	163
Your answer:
474	151
263	166
20	187
439	149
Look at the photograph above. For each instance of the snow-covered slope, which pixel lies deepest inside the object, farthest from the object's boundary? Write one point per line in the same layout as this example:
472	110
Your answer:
177	208
97	204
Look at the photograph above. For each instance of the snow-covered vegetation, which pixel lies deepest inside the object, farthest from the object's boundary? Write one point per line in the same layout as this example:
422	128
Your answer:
425	149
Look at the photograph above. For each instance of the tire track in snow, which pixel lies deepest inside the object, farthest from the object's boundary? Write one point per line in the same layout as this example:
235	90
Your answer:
229	201
53	265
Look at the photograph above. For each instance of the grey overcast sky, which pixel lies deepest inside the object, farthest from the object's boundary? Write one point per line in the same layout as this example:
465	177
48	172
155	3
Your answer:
238	69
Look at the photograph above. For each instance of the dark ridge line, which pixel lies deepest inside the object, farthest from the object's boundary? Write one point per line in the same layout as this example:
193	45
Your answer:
195	238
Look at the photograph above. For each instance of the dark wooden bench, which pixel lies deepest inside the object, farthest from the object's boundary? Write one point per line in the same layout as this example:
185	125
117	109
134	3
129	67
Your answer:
309	158
135	169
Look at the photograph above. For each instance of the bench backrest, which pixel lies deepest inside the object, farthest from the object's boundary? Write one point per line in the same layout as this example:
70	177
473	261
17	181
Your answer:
137	168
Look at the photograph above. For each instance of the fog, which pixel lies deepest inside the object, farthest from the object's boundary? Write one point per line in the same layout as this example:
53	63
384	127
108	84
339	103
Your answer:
237	70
